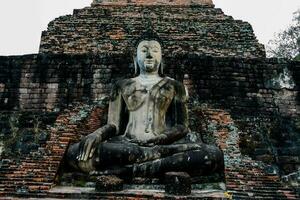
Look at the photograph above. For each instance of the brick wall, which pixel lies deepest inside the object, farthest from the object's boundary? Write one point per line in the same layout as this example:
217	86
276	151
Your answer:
262	95
199	29
44	82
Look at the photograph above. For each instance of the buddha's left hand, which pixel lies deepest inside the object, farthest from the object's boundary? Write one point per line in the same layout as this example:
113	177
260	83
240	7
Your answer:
157	140
160	139
140	143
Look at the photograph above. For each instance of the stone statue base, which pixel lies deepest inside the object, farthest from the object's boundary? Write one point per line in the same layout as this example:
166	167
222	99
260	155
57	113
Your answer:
153	2
83	186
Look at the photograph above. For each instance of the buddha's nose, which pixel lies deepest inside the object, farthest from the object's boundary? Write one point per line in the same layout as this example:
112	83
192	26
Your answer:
148	55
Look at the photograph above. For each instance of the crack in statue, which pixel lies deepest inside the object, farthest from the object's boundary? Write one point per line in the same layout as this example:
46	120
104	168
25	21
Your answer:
154	140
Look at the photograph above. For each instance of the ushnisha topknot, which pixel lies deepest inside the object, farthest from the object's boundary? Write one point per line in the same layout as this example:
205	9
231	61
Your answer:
149	34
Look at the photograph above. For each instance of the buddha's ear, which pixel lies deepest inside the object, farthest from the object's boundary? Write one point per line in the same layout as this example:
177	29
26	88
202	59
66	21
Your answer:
161	68
135	66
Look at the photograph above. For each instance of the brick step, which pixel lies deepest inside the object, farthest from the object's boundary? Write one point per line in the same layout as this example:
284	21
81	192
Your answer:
64	139
57	143
264	192
39	165
43	167
39	188
251	179
5	165
254	183
24	174
256	196
263	185
69	135
253	195
33	168
54	145
6	189
236	168
48	158
256	179
39	195
12	190
57	151
9	188
272	189
7	160
34	162
5	170
241	197
258	172
44	161
28	183
254	172
26	179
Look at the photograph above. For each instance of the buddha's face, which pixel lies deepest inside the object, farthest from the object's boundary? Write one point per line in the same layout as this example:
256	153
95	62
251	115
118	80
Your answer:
149	56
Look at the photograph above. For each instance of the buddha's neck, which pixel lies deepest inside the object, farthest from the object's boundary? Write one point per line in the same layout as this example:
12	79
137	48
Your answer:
149	79
149	76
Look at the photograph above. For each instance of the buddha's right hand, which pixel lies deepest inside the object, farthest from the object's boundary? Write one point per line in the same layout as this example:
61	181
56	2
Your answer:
89	143
88	146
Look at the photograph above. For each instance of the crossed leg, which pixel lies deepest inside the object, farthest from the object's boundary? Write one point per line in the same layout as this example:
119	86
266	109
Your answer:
149	161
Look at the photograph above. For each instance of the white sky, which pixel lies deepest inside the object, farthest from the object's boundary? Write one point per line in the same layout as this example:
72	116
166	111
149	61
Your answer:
22	21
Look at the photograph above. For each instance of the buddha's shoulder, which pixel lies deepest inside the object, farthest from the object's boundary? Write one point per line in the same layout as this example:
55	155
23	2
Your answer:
176	84
125	82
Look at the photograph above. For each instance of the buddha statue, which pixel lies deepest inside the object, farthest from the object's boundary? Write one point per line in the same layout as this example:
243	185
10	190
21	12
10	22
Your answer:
147	132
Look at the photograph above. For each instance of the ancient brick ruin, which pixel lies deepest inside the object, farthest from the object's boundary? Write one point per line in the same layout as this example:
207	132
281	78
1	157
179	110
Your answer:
249	103
197	29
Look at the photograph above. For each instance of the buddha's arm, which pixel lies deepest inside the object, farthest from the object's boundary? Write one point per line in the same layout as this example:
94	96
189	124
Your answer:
115	109
89	143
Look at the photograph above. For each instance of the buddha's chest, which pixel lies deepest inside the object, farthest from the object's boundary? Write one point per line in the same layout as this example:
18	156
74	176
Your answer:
158	96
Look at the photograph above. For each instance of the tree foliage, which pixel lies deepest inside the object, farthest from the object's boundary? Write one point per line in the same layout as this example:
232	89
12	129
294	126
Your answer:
287	43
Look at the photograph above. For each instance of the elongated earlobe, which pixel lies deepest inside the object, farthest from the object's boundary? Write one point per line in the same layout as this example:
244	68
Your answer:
135	66
161	68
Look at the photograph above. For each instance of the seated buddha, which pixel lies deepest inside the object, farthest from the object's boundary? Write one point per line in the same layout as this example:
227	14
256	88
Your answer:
147	132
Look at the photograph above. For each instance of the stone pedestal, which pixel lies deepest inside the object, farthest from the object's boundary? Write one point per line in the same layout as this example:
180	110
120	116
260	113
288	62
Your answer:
108	184
178	183
154	2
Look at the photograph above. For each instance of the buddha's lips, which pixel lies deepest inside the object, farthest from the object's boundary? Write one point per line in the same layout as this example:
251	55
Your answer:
149	61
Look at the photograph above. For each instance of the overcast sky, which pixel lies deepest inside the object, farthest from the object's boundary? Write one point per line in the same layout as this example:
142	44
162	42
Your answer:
21	21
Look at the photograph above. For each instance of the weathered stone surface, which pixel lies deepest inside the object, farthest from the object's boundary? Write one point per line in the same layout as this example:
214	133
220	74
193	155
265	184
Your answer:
33	176
154	2
245	177
36	171
109	183
259	104
198	29
260	95
178	183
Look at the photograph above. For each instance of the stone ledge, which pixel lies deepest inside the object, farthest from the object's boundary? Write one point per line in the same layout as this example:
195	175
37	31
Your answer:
153	2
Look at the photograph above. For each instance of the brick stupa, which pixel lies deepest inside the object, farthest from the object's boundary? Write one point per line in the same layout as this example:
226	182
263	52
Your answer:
239	100
185	26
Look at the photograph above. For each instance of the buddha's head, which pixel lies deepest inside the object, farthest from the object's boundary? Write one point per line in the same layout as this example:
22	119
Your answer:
149	54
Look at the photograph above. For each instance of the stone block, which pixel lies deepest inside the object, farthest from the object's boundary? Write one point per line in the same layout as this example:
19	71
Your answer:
108	183
178	183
